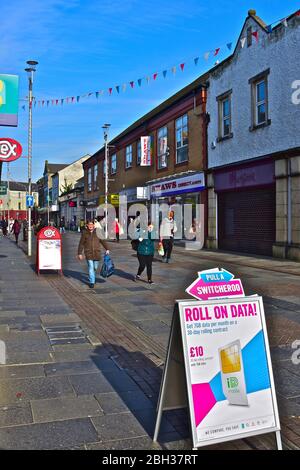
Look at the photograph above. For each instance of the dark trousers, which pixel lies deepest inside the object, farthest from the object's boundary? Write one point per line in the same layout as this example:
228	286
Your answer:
168	247
118	236
145	261
16	237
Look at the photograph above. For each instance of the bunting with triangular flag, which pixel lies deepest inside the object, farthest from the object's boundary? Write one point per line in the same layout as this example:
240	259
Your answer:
206	55
132	84
229	45
243	42
110	91
182	67
284	22
217	51
155	76
165	73
255	35
196	60
139	81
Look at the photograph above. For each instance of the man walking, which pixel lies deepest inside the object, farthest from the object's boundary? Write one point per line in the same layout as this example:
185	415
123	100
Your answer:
91	245
167	230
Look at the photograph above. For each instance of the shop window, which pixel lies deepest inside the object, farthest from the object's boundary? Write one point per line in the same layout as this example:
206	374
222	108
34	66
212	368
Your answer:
162	148
182	139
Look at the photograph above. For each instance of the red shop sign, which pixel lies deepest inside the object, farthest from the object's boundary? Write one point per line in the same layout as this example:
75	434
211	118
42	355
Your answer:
10	149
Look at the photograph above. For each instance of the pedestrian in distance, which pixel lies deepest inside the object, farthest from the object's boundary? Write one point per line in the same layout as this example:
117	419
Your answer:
145	253
167	230
16	228
62	225
117	229
91	245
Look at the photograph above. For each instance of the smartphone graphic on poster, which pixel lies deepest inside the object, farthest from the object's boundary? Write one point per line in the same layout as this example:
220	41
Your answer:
232	374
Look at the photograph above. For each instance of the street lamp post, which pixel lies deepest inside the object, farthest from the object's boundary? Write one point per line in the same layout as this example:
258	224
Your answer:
30	71
105	128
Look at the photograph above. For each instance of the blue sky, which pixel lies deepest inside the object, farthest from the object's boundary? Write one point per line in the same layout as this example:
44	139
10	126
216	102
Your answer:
86	46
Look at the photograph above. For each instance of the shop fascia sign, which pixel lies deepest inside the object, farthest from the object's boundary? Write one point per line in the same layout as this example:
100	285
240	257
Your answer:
185	184
10	149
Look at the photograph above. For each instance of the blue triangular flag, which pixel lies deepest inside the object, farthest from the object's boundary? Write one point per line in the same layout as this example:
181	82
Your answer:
196	60
97	94
23	107
165	73
269	28
77	98
118	88
229	45
62	101
47	102
139	81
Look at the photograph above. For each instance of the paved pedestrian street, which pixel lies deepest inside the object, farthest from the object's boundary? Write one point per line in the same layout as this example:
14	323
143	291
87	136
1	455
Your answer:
84	366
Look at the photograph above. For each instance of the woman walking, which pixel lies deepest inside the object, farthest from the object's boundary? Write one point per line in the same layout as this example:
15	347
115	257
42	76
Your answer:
16	228
145	253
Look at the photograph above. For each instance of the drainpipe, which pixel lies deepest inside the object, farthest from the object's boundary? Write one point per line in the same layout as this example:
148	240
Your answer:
289	203
205	122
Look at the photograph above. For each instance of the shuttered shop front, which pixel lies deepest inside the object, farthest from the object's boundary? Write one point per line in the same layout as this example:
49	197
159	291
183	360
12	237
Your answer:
247	209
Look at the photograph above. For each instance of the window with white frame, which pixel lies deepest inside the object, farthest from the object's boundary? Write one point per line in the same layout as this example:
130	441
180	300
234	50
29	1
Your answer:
89	179
96	177
114	164
128	163
182	139
162	148
259	95
224	115
138	152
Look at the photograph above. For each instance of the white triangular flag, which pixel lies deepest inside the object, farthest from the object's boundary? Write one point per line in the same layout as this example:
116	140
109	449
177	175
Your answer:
206	55
284	22
124	86
243	41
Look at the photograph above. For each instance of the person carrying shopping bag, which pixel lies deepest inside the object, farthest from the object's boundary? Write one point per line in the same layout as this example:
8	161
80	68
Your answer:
91	245
145	253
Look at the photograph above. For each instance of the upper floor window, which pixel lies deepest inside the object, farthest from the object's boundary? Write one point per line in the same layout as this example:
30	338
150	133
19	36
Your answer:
96	177
89	179
138	152
162	147
114	164
259	97
224	115
128	163
182	139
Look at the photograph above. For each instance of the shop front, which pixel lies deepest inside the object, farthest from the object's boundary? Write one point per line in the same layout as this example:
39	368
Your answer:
246	208
178	189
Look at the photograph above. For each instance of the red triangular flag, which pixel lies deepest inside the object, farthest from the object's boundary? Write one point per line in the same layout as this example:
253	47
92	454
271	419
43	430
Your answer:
255	34
56	102
110	91
155	76
182	67
217	51
297	13
132	84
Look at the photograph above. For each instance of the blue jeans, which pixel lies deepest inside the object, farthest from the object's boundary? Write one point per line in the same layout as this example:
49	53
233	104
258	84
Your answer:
92	266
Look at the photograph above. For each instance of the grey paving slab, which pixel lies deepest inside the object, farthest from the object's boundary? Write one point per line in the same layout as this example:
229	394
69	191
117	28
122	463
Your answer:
287	384
139	443
104	364
65	408
73	346
13	415
70	368
12	313
120	381
24	341
90	384
136	314
152	327
148	418
16	390
121	426
56	320
29	358
111	403
13	372
281	353
54	435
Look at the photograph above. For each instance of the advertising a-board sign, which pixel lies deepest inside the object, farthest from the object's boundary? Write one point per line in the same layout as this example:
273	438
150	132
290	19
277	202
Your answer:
49	250
218	364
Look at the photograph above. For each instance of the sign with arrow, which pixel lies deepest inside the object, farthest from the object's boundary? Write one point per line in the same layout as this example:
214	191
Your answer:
215	284
29	201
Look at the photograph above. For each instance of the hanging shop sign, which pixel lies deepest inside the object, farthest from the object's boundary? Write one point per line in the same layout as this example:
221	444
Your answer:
9	100
218	364
49	250
10	149
146	151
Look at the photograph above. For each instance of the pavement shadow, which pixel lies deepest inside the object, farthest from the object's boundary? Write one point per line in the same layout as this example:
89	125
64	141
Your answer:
81	276
135	379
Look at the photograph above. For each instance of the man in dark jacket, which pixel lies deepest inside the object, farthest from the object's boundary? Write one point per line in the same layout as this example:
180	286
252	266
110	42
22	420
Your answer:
91	245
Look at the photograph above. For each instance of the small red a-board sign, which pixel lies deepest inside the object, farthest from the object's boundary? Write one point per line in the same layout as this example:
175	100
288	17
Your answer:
10	149
49	250
215	284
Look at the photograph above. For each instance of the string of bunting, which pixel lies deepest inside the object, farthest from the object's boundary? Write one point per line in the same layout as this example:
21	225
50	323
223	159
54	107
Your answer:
132	84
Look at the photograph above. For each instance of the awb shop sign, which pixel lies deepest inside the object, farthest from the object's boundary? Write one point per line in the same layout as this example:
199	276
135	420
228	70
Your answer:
187	184
9	96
